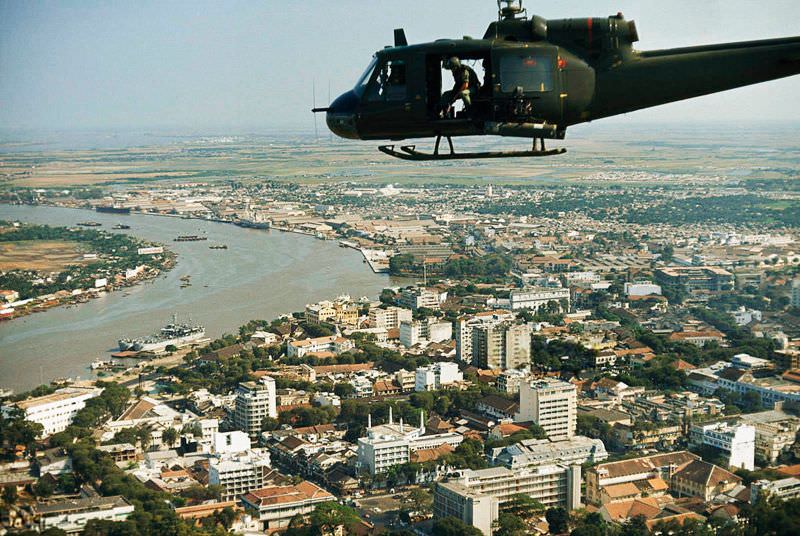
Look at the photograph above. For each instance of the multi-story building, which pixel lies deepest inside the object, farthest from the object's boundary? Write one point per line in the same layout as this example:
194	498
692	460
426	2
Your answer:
783	489
406	379
532	452
239	473
737	441
502	345
275	506
776	432
391	444
437	376
537	298
509	380
56	410
255	402
644	288
390	317
418	298
72	515
552	404
702	479
649	472
693	278
475	497
464	329
424	332
794	297
340	311
334	344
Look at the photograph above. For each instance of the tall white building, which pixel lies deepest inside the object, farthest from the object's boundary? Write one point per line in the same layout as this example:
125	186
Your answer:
239	473
464	329
56	410
417	298
389	318
254	402
503	345
434	377
552	404
738	441
795	295
424	332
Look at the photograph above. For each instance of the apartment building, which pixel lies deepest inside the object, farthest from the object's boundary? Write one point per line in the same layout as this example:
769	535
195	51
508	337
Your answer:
389	318
475	497
776	432
501	346
464	328
783	489
239	473
424	332
418	298
552	404
56	410
509	380
437	376
737	441
255	402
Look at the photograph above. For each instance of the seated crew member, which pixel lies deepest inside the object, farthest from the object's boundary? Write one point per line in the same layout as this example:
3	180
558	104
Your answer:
465	85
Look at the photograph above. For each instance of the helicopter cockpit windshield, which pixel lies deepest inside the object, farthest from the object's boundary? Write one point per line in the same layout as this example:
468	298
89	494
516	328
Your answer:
364	79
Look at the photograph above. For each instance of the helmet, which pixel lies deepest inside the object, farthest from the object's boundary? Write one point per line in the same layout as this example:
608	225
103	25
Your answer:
452	63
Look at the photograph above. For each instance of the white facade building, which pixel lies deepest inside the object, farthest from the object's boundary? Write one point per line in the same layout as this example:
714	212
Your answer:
390	317
464	329
72	515
424	332
231	442
642	289
739	441
437	376
56	410
334	344
532	452
418	298
537	298
255	402
239	473
552	404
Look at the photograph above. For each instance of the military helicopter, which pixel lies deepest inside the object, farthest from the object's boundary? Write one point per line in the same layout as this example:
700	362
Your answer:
539	78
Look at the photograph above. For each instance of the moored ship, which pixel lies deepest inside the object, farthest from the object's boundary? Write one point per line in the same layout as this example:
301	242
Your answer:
173	334
113	209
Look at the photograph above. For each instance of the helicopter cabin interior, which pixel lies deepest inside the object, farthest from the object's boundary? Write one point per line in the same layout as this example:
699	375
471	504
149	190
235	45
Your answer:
515	85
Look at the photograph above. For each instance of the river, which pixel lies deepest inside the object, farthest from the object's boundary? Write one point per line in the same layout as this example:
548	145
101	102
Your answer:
261	275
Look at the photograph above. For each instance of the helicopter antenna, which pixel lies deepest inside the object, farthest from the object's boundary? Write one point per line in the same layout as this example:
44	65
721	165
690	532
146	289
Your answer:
314	98
510	9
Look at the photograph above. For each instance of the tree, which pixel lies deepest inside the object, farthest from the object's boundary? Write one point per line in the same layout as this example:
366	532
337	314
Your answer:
268	424
509	525
558	519
421	500
43	487
169	436
344	390
10	494
524	506
452	526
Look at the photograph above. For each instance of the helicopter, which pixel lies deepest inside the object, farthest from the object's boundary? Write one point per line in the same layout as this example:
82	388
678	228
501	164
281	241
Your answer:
540	77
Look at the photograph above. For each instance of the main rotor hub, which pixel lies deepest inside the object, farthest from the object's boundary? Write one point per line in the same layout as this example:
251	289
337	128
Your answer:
510	9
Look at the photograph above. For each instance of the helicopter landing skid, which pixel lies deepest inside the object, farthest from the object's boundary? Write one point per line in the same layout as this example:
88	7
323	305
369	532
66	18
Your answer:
409	152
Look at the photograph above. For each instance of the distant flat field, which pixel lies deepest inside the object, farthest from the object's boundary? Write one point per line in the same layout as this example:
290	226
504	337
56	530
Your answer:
39	255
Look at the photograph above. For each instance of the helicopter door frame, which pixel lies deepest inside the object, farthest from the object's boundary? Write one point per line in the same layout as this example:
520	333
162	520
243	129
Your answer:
385	107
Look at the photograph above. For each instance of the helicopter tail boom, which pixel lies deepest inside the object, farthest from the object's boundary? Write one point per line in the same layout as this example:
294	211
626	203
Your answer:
663	76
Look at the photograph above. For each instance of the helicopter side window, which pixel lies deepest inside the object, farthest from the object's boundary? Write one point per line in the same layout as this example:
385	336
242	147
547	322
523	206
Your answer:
532	73
390	84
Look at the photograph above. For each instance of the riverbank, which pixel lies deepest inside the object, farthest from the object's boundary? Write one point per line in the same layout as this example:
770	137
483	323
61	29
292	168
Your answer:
262	274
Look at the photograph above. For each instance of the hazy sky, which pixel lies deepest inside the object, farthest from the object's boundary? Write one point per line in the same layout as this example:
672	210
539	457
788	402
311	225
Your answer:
251	64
